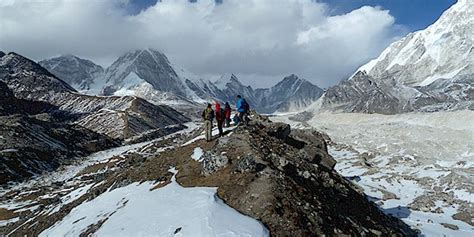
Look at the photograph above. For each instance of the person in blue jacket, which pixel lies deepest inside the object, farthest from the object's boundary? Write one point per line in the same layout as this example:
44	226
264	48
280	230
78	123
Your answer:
243	109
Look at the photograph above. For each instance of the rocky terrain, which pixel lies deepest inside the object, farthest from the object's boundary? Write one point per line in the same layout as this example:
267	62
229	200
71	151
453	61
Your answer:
428	70
416	166
149	74
279	176
45	123
35	138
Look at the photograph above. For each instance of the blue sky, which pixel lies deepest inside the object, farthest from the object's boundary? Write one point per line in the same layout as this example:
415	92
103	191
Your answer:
413	14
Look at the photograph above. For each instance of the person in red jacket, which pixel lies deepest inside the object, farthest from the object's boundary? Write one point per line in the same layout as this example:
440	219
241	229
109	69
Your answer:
228	113
220	117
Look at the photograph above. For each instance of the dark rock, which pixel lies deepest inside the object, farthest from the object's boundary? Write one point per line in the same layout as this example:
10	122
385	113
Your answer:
450	226
279	130
248	164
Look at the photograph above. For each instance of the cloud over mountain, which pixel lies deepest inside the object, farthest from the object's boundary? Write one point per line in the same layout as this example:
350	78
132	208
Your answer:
261	40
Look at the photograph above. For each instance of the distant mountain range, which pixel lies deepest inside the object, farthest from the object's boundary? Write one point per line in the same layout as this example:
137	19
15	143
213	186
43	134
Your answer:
149	74
428	70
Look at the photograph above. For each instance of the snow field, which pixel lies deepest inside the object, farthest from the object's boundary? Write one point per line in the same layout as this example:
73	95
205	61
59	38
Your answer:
136	210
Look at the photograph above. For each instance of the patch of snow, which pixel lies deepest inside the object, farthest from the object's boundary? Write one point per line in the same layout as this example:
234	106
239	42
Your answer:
197	154
9	150
435	77
6	222
137	210
71	197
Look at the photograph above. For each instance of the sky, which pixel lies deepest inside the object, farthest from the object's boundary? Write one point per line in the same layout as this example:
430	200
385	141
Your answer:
260	41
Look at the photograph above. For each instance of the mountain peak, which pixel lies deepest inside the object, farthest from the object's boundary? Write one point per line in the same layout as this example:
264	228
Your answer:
415	72
291	78
144	66
233	78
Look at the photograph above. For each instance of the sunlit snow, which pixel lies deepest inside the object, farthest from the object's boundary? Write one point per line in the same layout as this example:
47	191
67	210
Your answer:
138	210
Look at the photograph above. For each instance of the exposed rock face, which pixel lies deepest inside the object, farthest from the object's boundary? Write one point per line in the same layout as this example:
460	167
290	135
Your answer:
78	72
428	70
33	138
362	94
262	176
27	79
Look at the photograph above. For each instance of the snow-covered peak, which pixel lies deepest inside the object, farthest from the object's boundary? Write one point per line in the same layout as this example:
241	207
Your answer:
443	50
79	73
225	79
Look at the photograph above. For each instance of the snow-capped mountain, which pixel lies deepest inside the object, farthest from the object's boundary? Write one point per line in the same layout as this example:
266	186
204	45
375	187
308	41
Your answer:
150	75
143	66
290	94
428	70
77	72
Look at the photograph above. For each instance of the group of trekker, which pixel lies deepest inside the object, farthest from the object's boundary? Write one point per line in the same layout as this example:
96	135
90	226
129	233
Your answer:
223	116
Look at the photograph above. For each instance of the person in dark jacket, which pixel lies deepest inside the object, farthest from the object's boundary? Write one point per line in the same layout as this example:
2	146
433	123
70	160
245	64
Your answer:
228	113
220	117
208	116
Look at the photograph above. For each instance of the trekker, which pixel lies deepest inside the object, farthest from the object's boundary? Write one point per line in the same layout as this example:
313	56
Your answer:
242	108
208	116
220	117
228	112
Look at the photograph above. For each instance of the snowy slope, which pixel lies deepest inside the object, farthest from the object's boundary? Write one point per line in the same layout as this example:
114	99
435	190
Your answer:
138	210
444	50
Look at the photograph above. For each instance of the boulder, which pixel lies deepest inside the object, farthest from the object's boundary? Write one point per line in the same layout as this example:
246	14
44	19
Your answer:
279	130
213	162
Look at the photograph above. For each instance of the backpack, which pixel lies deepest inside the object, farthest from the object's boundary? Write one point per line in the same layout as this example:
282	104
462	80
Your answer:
207	114
246	106
220	115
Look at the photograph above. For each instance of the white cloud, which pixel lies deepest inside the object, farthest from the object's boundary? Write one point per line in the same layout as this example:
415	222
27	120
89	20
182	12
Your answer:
260	40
